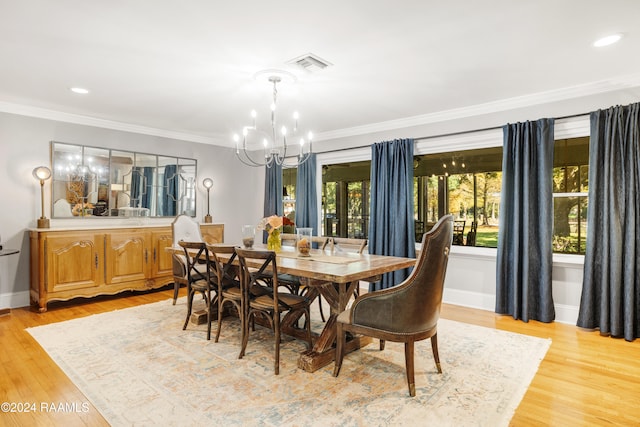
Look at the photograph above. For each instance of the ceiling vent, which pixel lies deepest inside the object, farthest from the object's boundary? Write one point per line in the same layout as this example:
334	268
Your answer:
310	62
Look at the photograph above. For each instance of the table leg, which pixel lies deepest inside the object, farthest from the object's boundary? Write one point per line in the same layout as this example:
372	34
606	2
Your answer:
323	351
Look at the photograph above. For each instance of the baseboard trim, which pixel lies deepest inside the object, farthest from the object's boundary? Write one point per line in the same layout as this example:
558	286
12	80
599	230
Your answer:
564	313
15	299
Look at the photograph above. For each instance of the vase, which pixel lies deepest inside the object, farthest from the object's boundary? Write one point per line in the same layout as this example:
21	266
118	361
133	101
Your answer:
274	242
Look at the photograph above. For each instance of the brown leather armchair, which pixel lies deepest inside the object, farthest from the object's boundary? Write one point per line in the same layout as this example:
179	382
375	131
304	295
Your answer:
408	312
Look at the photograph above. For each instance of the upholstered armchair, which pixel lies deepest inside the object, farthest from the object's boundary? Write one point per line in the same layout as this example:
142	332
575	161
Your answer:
408	312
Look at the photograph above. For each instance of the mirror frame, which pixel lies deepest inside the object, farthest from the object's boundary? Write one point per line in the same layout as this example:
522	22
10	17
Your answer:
95	182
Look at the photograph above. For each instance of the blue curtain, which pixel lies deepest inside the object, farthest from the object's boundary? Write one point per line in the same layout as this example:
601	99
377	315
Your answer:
391	226
136	173
272	192
525	253
170	189
611	284
147	172
307	196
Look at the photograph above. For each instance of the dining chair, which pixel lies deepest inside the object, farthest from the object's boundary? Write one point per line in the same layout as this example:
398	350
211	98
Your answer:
336	244
197	255
266	301
184	228
408	312
228	283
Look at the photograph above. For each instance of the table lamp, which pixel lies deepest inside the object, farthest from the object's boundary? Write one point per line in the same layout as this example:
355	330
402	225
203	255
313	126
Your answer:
208	183
42	173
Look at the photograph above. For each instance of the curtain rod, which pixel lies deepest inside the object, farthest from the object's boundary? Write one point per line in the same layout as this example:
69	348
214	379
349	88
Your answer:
442	135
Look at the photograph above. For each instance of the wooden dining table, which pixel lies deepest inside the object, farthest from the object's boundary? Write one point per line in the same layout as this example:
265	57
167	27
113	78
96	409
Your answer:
335	275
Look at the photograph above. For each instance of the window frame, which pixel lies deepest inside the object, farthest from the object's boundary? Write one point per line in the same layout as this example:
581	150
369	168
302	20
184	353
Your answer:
566	127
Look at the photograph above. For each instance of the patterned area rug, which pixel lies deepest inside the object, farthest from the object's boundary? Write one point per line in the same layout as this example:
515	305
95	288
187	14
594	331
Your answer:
139	368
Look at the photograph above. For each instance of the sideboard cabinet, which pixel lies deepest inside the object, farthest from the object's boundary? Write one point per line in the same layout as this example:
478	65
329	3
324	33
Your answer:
71	263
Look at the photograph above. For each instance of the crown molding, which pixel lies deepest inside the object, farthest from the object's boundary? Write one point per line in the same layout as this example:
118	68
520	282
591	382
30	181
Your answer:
589	89
43	113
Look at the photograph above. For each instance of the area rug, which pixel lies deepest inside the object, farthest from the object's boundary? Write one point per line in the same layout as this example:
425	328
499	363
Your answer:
139	368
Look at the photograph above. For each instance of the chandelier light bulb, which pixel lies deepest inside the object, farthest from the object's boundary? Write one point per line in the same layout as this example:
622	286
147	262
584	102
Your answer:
310	136
275	149
236	138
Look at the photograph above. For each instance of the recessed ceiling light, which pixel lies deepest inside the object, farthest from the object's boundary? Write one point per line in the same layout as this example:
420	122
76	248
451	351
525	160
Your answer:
79	90
606	41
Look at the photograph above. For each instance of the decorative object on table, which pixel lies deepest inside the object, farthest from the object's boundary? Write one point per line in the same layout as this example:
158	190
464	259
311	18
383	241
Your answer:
248	236
42	173
82	209
254	138
208	183
303	241
273	226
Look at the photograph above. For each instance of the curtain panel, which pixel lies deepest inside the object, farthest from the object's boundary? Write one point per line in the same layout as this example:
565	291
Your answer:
272	193
170	190
610	298
391	226
525	252
306	195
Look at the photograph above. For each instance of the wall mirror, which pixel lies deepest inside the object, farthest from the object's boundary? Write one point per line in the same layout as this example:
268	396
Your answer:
99	182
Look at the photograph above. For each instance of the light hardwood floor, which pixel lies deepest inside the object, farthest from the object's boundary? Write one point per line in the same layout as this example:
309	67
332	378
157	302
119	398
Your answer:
584	380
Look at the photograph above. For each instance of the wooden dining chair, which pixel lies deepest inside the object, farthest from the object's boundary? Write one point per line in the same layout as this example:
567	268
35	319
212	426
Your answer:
351	244
199	280
184	228
408	312
227	281
266	301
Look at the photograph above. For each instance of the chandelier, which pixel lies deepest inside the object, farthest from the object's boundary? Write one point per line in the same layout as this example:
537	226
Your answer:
272	142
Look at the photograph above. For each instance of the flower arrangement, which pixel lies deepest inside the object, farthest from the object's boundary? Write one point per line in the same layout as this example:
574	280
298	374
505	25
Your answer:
82	209
273	226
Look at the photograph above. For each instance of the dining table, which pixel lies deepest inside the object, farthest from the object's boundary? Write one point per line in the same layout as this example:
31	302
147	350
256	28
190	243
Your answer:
335	275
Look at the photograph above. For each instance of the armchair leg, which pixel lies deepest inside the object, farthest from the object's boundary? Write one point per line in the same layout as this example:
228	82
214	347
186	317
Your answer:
340	338
434	348
408	356
382	345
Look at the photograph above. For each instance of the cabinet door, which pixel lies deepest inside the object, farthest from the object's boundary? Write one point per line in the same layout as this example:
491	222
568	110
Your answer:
162	263
212	233
73	261
127	256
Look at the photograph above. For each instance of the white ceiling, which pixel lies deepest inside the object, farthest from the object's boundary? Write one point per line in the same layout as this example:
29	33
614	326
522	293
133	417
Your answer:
187	67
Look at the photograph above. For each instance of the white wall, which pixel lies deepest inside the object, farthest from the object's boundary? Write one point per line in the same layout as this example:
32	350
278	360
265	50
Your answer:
236	197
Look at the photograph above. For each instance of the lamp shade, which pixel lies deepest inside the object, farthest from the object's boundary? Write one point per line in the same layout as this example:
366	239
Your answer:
207	183
42	173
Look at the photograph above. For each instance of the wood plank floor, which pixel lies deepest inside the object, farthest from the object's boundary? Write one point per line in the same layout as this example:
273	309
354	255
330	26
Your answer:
585	379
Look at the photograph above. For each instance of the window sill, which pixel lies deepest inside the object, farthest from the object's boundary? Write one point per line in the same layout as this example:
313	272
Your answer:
482	253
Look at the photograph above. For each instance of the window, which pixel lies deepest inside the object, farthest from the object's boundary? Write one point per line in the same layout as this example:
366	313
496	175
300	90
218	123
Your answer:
466	184
570	195
345	199
289	197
